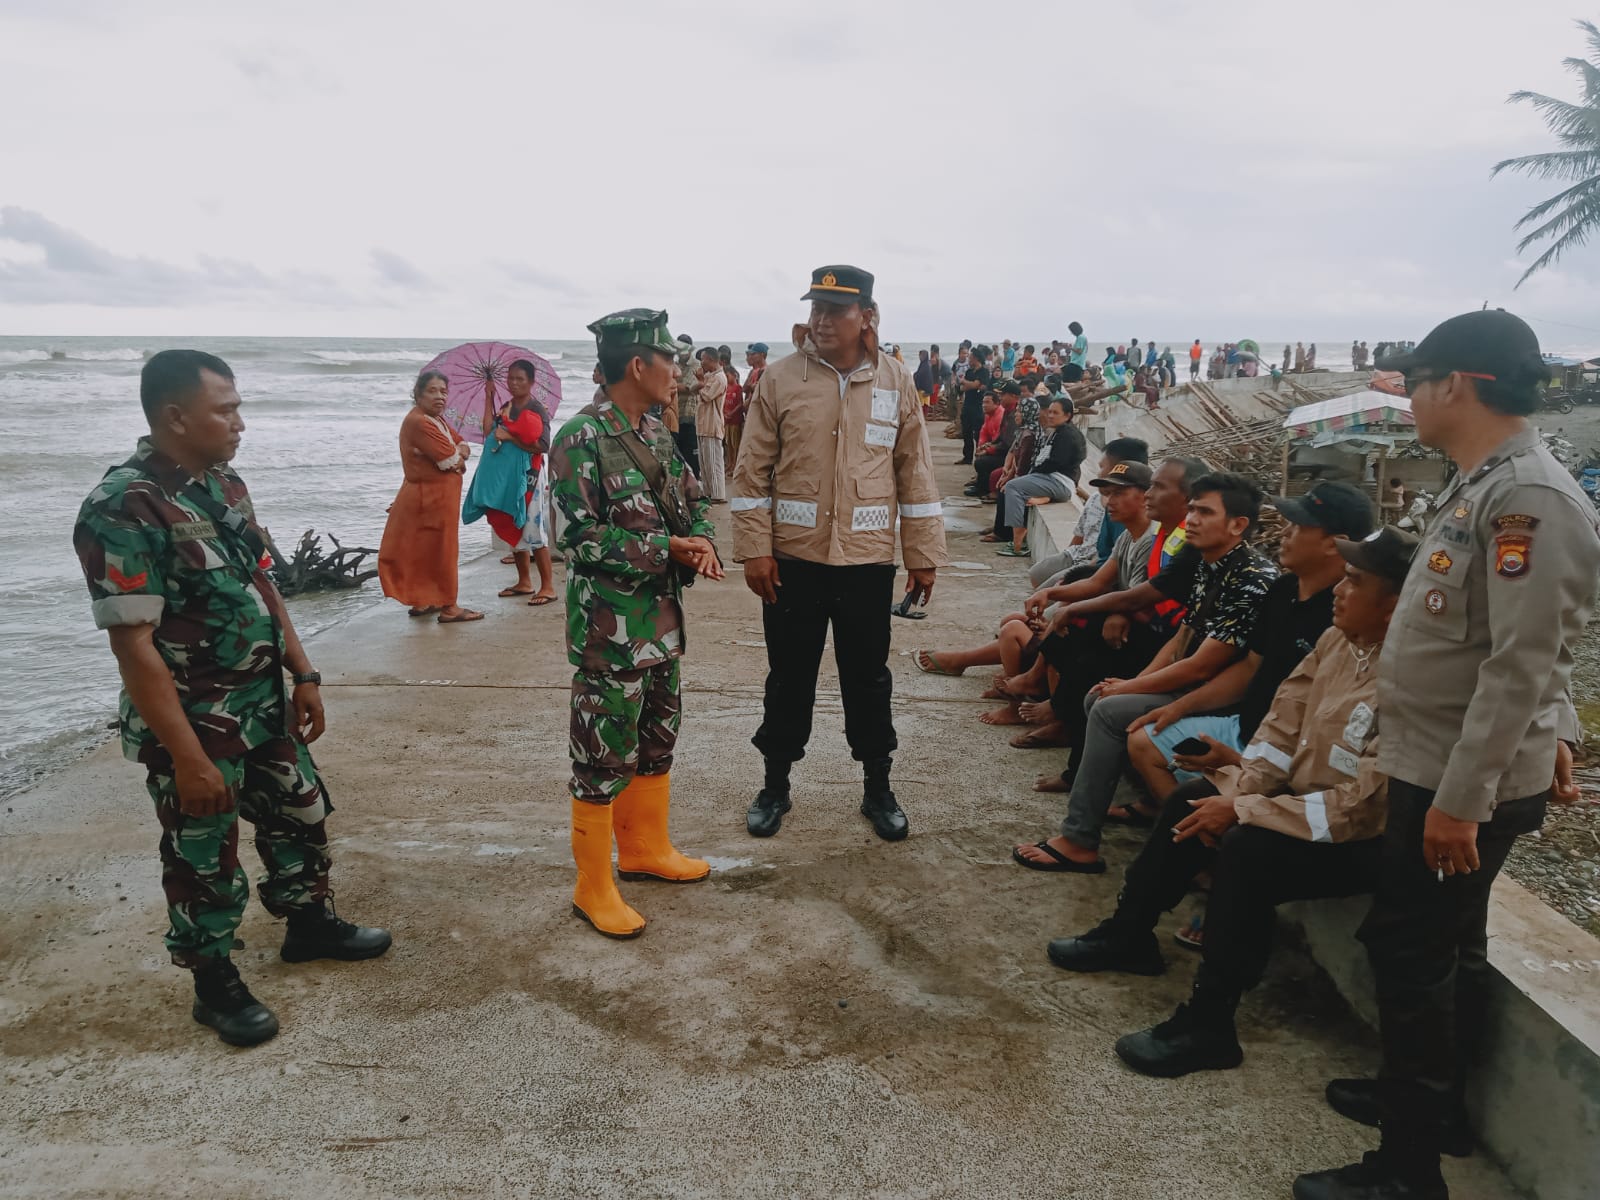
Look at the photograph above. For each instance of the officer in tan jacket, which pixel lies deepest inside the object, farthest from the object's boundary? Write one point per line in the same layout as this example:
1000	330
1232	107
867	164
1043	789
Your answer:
834	453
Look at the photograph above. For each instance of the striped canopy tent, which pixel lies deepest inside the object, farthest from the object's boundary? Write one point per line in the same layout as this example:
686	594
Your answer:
1358	410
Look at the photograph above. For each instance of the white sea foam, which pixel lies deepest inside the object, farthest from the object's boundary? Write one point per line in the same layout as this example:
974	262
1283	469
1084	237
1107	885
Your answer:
22	356
123	354
348	358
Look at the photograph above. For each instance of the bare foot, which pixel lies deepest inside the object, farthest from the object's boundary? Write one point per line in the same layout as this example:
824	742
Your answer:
1035	501
1037	712
1053	734
1003	716
541	599
1053	784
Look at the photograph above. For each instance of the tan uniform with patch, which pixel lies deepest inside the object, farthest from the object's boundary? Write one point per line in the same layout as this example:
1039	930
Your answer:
1472	687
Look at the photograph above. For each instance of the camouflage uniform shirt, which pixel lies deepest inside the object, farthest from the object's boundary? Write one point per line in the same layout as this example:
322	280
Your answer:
152	557
624	602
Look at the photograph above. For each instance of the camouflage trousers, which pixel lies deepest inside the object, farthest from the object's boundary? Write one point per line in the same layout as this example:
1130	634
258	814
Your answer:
277	789
623	723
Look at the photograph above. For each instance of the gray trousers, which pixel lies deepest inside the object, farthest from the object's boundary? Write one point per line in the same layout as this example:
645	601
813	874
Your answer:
1105	749
1022	487
1047	572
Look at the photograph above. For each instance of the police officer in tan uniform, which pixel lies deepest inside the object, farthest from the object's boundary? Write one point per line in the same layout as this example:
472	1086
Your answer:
834	454
1472	701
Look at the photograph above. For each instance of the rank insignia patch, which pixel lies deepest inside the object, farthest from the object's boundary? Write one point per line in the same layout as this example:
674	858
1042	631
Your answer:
1462	509
1439	562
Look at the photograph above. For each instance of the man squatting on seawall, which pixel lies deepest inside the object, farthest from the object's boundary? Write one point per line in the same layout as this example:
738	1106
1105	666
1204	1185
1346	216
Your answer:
833	453
175	565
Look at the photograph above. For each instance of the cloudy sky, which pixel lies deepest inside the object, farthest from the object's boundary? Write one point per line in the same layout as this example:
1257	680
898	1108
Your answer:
347	168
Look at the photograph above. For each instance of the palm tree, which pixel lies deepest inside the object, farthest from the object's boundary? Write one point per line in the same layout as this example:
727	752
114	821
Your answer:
1577	127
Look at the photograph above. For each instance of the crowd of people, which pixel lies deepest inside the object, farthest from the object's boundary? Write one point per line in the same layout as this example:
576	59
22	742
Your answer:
1364	712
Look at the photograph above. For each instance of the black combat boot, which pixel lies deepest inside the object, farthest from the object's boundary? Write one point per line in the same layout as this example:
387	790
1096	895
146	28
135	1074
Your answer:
1361	1100
878	803
1109	947
319	932
222	1001
1192	1039
1376	1177
766	812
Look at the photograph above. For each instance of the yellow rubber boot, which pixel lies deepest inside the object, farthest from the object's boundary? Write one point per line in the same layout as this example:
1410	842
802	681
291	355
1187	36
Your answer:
644	851
596	898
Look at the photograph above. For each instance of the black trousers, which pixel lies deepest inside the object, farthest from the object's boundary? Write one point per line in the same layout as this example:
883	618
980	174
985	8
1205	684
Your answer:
1428	943
986	465
971	426
856	601
688	441
1254	870
1082	659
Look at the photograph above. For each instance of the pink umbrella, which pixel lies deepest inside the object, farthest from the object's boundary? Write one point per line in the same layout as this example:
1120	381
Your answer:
477	376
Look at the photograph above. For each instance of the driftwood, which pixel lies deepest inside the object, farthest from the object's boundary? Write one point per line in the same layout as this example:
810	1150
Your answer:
311	569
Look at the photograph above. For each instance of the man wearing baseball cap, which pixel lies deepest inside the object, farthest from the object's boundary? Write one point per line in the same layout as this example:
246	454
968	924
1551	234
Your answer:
1473	699
1301	819
1296	610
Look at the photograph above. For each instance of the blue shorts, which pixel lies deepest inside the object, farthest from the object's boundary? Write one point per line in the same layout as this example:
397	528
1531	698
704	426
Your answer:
1223	729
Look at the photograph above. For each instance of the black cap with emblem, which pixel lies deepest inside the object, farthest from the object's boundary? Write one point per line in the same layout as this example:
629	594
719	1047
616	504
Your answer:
1338	508
841	284
1386	552
1491	345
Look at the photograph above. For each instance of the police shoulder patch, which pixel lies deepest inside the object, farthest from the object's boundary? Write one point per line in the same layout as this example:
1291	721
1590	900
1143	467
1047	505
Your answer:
1513	555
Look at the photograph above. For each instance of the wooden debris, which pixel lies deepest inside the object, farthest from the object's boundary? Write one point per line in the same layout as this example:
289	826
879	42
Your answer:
312	569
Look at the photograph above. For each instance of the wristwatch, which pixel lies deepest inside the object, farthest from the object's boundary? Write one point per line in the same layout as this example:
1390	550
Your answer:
308	677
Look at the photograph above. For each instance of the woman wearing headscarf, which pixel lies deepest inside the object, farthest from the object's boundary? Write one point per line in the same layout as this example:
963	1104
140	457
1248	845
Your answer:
507	489
418	557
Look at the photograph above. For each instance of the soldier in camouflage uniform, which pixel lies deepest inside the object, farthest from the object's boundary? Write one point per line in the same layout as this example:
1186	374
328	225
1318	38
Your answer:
174	563
636	534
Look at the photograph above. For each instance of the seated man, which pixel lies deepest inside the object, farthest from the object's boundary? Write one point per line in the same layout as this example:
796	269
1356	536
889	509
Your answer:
1093	536
1011	649
1301	821
1222	611
1297	609
1080	652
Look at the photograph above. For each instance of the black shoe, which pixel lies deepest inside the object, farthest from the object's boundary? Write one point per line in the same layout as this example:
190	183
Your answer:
766	813
1358	1099
1180	1045
1104	948
963	462
878	804
222	1001
319	932
1370	1179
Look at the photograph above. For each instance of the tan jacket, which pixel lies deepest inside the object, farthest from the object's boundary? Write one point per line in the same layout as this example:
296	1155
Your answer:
1311	770
710	393
1474	686
826	467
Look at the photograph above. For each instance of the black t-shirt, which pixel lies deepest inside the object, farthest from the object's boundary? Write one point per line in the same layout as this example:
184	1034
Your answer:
974	399
1286	631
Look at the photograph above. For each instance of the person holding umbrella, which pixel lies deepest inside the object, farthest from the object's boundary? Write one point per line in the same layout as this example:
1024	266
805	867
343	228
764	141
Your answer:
834	452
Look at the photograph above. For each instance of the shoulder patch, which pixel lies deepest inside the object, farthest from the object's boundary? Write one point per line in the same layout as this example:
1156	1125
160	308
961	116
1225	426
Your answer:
1513	553
1516	521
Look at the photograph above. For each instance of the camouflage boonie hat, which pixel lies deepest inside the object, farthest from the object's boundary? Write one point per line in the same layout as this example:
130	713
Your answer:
635	327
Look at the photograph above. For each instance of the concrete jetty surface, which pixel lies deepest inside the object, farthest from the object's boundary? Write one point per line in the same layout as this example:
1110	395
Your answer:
827	1016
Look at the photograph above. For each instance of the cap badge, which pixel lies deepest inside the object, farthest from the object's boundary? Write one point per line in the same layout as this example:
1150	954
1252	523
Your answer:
1439	562
829	280
1434	602
1462	510
1120	469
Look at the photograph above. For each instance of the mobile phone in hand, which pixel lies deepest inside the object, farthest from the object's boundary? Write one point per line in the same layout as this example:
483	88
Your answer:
1192	748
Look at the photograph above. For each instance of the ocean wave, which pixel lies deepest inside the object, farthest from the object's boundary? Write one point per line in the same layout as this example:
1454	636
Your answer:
125	354
350	358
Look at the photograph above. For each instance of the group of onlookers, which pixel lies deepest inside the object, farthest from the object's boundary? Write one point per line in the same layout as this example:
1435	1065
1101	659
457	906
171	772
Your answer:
1371	713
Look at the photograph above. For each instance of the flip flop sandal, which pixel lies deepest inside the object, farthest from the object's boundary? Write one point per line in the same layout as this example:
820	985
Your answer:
1130	816
460	618
1192	935
931	667
507	593
1061	863
422	612
540	601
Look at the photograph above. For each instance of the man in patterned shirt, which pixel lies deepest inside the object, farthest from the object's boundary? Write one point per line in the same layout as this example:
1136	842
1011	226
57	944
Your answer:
1224	601
636	534
176	569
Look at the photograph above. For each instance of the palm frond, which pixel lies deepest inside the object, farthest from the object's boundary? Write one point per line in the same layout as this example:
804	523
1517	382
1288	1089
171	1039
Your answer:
1556	164
1574	124
1577	193
1578	210
1575	237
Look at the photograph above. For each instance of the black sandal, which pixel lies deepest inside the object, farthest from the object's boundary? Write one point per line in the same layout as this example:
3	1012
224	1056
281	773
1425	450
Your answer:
1062	862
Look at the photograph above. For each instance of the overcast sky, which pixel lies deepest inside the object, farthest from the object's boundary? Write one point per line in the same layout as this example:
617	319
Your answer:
515	169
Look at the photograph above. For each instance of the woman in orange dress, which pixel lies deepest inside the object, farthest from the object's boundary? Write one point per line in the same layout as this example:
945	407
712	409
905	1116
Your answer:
418	557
